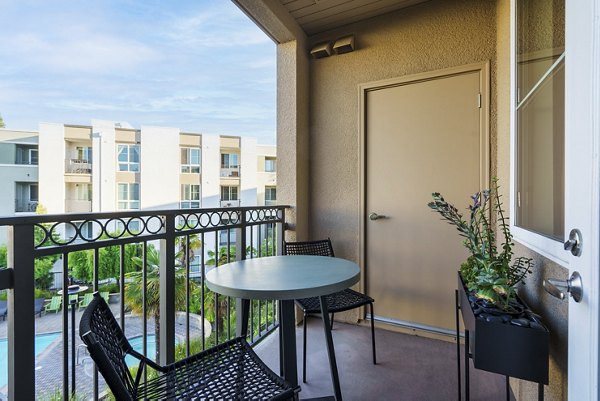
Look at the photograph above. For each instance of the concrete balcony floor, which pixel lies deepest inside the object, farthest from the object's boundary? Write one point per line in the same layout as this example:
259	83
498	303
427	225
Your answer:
408	367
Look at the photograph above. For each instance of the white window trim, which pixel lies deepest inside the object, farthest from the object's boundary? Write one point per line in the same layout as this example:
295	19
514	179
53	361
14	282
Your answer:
129	200
128	162
547	247
191	165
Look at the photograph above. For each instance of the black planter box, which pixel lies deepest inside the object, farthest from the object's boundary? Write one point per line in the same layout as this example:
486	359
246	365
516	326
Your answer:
510	350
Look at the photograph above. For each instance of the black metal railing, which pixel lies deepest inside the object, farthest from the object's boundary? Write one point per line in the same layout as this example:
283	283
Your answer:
151	267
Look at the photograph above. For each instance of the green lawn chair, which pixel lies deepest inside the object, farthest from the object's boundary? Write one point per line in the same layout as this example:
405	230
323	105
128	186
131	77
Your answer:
54	305
105	295
73	297
87	298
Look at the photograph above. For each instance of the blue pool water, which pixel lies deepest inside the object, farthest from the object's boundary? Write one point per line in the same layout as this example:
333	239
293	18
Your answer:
138	345
42	341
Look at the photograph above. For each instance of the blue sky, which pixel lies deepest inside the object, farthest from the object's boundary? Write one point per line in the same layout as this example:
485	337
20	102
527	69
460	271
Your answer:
199	65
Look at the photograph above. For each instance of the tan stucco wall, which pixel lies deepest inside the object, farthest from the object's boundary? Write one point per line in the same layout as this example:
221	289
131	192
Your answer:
431	36
554	311
426	37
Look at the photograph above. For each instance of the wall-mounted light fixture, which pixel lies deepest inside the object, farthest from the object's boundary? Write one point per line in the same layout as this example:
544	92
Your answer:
344	45
340	46
321	50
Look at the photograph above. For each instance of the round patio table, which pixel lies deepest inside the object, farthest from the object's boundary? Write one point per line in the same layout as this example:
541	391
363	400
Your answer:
285	278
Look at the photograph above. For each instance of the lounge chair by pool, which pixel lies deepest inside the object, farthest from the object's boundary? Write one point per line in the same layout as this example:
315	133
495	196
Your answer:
38	306
55	304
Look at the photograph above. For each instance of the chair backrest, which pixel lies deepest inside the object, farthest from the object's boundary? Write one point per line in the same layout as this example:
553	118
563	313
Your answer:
38	304
321	247
108	347
55	302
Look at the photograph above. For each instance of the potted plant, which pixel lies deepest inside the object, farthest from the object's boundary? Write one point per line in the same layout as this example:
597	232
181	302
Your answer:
505	335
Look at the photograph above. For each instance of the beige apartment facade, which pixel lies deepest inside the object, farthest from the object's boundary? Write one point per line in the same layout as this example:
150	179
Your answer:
107	167
325	153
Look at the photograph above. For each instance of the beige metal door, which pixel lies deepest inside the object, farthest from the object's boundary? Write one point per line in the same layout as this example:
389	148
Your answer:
421	136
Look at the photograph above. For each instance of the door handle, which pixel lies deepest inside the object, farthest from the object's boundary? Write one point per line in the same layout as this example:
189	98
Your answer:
374	216
574	243
557	288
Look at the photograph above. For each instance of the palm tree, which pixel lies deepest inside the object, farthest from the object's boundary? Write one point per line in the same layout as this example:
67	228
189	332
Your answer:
134	289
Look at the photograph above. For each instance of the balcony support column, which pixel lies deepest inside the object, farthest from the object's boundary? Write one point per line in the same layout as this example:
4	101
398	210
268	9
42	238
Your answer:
21	330
167	293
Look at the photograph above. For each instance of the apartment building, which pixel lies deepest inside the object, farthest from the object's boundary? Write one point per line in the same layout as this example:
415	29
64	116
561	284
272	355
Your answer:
109	166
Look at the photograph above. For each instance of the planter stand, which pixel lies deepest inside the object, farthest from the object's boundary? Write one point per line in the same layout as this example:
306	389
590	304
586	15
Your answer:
497	347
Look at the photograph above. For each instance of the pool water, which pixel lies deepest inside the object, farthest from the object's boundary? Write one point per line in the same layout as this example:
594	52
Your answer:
138	345
42	341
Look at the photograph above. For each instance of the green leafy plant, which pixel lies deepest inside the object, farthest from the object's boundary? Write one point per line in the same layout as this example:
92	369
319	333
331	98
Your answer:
490	271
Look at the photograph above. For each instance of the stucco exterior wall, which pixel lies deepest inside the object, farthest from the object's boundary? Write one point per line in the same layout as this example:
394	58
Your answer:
426	37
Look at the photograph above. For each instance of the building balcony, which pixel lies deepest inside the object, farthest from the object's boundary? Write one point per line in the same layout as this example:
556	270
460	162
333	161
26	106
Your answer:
230	172
25	206
39	349
78	166
78	206
230	203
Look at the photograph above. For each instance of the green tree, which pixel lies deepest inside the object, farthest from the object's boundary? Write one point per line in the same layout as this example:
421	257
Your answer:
3	261
134	289
2	125
81	263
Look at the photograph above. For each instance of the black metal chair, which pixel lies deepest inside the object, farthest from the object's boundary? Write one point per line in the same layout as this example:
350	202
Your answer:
229	371
339	302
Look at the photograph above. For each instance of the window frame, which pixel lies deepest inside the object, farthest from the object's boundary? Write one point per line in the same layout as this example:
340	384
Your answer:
273	162
187	200
188	168
543	245
129	164
128	201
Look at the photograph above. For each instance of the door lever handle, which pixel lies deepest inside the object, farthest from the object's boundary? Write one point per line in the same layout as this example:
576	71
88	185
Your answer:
557	288
374	216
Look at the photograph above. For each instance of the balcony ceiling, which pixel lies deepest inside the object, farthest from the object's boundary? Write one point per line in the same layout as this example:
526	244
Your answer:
315	16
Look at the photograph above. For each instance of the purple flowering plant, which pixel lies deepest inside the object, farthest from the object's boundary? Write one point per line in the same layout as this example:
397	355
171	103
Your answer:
490	271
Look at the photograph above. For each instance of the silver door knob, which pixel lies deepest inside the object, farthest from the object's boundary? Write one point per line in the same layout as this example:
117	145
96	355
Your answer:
374	216
557	288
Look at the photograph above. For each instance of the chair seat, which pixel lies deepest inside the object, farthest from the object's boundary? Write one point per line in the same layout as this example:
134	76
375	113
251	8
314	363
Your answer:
338	302
229	371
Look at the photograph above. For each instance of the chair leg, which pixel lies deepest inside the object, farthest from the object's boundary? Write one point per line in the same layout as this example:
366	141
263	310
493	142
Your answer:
280	343
332	320
304	348
373	334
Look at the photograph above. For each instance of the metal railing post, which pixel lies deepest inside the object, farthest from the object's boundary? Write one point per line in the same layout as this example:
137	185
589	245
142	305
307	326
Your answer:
167	292
242	306
21	324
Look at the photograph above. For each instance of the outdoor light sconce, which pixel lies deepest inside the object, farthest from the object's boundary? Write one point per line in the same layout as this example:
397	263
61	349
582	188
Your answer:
340	46
344	45
321	50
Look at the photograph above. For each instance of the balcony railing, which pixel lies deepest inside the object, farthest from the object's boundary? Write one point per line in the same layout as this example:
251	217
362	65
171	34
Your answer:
230	172
78	166
25	206
158	274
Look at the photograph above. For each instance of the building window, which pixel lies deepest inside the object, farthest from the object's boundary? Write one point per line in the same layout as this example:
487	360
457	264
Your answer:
270	164
33	156
190	196
128	157
83	192
190	160
229	160
270	195
33	193
84	153
229	193
128	196
223	237
195	264
540	118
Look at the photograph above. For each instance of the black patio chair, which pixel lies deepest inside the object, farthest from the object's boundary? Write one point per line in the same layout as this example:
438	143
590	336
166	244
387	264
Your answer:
38	306
229	371
339	302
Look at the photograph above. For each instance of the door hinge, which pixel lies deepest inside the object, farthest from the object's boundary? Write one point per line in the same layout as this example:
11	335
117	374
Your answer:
479	100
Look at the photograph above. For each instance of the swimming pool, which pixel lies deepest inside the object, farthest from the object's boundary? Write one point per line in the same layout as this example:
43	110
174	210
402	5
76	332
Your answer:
138	345
42	341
